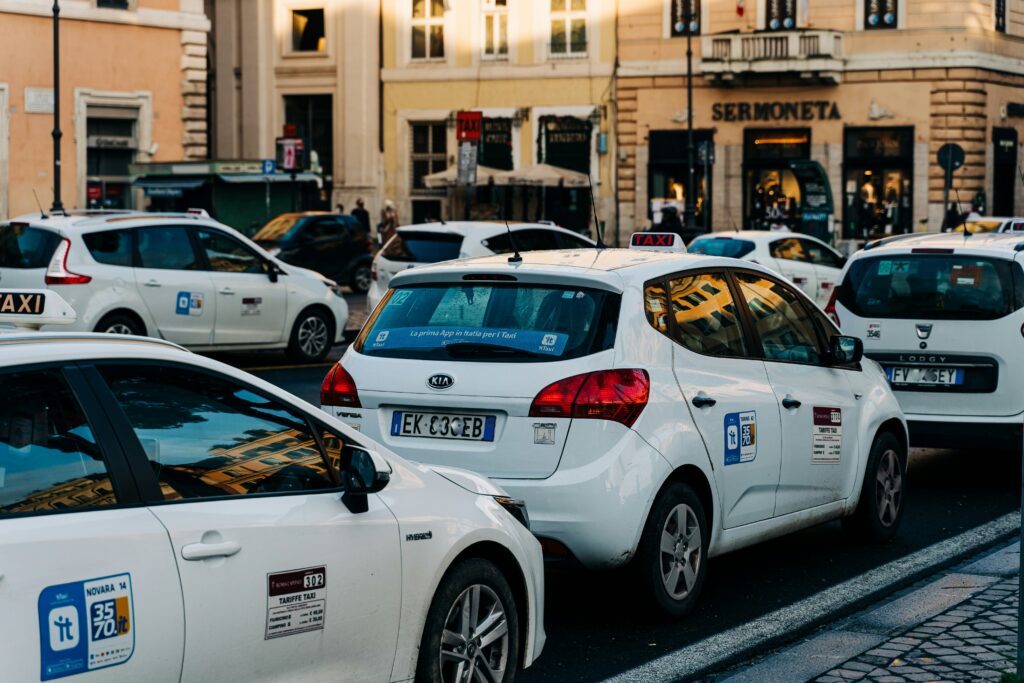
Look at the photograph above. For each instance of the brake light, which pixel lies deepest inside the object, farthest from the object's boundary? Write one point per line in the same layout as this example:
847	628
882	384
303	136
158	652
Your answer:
57	272
369	246
339	389
830	309
373	271
616	395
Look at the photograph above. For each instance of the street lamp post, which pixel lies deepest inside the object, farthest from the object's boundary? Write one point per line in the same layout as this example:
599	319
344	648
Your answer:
58	206
690	210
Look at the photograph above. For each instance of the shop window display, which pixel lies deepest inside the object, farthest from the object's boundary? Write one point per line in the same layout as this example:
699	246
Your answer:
771	193
878	168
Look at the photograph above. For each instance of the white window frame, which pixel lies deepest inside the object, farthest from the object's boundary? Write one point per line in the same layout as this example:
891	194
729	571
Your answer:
567	16
427	22
490	9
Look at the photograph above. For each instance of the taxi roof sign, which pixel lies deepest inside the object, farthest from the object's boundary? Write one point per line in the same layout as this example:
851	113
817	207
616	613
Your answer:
657	241
32	308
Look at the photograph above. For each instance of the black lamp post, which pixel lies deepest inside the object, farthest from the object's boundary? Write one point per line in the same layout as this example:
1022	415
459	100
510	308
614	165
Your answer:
690	210
58	206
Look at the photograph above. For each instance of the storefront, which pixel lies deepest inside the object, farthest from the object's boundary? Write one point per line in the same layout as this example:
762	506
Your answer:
668	174
565	142
771	193
878	167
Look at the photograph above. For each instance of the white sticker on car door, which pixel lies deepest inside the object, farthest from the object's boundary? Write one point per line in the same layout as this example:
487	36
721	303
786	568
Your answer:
827	436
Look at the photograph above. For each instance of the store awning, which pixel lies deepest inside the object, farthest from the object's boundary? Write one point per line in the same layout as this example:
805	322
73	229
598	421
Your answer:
542	175
275	178
168	187
450	176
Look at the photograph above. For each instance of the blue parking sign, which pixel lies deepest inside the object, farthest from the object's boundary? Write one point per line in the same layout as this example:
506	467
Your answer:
269	167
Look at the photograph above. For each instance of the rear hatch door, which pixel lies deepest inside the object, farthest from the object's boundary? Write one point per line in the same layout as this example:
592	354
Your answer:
25	253
411	247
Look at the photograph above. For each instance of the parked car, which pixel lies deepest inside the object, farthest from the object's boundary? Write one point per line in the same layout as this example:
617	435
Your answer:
335	245
990	224
417	245
806	261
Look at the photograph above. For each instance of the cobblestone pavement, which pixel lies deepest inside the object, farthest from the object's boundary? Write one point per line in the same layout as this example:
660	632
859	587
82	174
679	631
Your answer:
974	641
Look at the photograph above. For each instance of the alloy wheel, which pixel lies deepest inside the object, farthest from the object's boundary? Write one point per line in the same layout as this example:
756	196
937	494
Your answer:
312	336
475	641
362	278
889	488
681	551
119	328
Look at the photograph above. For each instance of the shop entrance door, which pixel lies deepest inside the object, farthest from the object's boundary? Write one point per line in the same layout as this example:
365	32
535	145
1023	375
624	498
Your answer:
1004	171
668	174
771	193
878	166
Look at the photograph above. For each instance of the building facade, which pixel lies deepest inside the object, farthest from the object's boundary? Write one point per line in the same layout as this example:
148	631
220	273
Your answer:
870	89
133	75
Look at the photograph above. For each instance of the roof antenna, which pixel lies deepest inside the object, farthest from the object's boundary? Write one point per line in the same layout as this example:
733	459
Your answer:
514	258
42	214
960	212
597	224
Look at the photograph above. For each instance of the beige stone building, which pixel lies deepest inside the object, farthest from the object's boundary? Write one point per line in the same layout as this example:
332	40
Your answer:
870	89
133	88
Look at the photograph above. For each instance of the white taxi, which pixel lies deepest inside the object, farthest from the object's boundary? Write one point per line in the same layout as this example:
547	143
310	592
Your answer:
656	406
944	315
164	517
181	277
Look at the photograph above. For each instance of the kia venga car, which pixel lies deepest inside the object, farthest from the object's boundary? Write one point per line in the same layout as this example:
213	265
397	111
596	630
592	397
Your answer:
417	245
943	314
806	261
181	277
654	407
165	517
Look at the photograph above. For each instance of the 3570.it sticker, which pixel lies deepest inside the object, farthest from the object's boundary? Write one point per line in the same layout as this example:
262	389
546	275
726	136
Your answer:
85	625
189	303
740	437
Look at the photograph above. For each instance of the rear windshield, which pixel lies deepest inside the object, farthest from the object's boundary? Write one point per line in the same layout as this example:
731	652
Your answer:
722	246
422	247
25	247
491	322
933	286
276	229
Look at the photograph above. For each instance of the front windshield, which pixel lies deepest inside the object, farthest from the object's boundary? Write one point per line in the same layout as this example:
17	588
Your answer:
277	228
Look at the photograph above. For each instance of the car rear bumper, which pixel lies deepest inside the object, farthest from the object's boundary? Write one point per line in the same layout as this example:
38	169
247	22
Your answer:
928	431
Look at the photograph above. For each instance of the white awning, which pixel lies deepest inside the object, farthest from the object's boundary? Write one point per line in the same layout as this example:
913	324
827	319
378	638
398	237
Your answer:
450	176
543	175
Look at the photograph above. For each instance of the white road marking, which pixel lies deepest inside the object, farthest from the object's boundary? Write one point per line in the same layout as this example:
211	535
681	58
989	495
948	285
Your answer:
721	649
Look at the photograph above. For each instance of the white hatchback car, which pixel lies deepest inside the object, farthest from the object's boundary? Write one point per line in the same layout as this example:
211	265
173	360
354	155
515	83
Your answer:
417	245
943	314
806	261
658	406
164	517
181	277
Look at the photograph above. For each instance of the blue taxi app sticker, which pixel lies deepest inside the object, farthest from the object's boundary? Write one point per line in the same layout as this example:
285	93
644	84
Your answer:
740	437
533	341
85	625
189	303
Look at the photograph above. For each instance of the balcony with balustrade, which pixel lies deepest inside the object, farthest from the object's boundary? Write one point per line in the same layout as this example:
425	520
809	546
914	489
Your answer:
814	56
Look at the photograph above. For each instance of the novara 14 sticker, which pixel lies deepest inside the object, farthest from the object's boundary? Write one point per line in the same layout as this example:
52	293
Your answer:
827	437
189	303
740	437
85	625
296	601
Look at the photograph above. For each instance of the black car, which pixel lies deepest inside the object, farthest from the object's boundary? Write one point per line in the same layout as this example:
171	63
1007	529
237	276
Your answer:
334	245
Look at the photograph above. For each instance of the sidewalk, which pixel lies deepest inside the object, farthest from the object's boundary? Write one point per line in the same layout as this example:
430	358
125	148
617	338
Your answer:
960	625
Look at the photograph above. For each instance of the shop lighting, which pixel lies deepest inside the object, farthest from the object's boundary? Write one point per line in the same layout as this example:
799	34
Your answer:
781	141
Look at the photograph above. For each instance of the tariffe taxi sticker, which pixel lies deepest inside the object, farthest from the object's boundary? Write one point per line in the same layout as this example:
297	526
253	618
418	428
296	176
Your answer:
296	601
827	436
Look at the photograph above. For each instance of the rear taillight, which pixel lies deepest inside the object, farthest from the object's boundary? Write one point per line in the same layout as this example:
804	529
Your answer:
617	395
830	309
373	271
369	246
339	389
57	272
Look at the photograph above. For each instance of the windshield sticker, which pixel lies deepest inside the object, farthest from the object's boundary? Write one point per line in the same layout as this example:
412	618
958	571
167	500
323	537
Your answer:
252	305
740	437
567	295
885	267
965	275
827	436
400	297
874	331
533	341
901	267
296	601
85	625
189	303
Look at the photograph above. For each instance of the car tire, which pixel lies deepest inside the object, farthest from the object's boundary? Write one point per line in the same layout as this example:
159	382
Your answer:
481	582
312	336
360	280
120	323
880	509
673	551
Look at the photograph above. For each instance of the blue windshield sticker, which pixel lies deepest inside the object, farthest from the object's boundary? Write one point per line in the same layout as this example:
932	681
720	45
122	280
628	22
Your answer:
534	341
85	625
740	437
400	297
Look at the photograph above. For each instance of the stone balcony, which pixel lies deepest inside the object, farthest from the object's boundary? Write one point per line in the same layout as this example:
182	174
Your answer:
809	55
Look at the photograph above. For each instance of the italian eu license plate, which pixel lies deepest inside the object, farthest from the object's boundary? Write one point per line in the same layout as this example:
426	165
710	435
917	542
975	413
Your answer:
443	426
928	377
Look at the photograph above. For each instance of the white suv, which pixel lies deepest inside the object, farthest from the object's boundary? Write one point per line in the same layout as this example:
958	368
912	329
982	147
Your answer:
182	277
943	315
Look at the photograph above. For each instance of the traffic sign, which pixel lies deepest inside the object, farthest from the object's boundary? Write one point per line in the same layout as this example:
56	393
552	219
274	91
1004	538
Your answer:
291	154
468	126
269	167
951	156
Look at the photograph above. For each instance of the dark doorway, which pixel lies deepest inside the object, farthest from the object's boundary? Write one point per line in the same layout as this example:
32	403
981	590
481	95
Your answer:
313	117
771	193
668	174
1004	171
426	210
878	171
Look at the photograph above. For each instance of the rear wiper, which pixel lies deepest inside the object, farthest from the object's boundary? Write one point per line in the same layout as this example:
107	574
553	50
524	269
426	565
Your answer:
478	349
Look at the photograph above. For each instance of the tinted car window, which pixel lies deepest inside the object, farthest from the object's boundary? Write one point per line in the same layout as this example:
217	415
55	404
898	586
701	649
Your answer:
721	246
228	255
783	324
423	247
205	436
821	255
166	248
49	459
112	247
320	228
566	241
25	247
789	249
706	320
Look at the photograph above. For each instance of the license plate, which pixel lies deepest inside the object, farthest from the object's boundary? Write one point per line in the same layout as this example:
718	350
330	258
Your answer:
443	426
925	376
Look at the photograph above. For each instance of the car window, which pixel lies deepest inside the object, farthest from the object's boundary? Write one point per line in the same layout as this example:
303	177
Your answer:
25	247
323	227
205	436
412	246
1017	227
566	241
721	246
656	306
790	249
228	255
166	248
820	255
706	320
49	459
111	247
535	240
783	325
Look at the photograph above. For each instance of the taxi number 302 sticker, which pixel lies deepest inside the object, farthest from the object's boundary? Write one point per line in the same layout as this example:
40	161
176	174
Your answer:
740	437
85	625
296	601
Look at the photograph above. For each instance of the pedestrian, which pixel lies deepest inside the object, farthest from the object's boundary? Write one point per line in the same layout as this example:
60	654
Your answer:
340	208
388	222
362	215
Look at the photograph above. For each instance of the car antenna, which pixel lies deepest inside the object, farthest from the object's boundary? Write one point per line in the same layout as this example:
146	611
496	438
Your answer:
516	257
597	224
960	212
42	214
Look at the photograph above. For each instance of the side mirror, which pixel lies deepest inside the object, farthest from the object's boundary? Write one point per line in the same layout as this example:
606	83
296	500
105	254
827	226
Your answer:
272	270
362	472
846	350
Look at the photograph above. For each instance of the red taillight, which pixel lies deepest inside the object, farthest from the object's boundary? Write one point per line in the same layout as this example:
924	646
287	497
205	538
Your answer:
57	272
373	271
617	395
339	389
369	246
830	309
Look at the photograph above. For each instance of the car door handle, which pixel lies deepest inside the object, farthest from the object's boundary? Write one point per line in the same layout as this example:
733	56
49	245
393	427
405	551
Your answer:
152	283
703	402
790	403
227	291
204	551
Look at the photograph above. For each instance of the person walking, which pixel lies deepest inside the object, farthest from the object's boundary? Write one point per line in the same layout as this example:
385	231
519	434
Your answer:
388	222
361	214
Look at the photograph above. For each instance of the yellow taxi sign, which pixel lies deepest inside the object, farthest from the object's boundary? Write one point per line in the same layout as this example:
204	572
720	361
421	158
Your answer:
33	308
657	241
